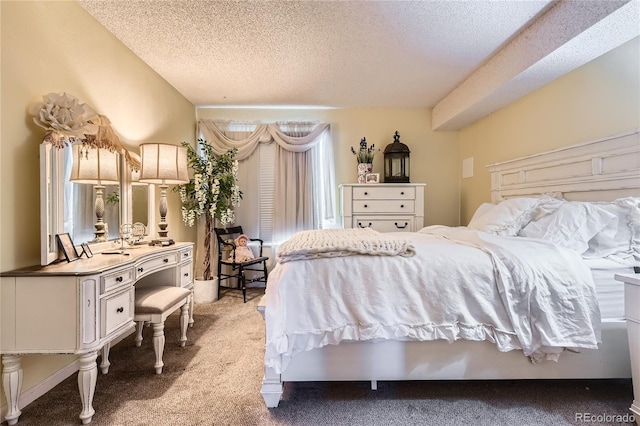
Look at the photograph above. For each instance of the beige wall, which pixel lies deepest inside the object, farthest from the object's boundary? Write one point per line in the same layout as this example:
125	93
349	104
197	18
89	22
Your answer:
434	155
599	99
58	47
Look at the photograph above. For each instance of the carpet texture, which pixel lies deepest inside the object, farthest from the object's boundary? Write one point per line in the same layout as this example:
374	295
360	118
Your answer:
215	380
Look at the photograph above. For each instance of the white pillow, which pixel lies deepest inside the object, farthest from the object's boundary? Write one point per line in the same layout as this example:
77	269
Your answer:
509	216
620	238
571	225
482	209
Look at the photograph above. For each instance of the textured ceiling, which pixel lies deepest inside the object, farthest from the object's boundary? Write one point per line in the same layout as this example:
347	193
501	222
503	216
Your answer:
325	53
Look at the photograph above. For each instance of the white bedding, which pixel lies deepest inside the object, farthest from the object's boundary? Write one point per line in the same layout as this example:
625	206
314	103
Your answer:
518	293
342	242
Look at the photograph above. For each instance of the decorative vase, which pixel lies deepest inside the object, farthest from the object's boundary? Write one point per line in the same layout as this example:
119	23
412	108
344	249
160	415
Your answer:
205	291
363	169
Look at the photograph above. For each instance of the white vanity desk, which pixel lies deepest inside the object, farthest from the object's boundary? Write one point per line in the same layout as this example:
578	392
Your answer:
80	308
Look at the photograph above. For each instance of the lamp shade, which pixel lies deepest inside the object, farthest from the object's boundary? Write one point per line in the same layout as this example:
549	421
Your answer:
135	174
163	163
94	165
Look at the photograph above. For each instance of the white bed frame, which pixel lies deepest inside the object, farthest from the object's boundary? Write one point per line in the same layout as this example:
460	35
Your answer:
604	169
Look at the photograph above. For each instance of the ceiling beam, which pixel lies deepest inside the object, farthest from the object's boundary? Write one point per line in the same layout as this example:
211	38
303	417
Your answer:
570	34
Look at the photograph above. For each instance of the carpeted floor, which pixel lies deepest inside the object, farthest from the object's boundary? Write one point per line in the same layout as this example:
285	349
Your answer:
215	380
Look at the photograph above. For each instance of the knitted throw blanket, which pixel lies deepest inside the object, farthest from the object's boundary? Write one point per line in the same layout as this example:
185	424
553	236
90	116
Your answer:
342	242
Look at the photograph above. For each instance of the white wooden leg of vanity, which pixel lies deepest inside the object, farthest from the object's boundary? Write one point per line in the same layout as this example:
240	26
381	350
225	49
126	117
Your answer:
87	377
104	355
139	327
271	388
12	385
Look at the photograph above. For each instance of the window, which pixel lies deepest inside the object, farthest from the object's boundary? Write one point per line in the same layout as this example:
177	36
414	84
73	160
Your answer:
283	191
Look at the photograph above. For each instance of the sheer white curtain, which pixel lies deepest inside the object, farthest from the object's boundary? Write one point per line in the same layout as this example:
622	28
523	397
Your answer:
303	175
299	201
241	135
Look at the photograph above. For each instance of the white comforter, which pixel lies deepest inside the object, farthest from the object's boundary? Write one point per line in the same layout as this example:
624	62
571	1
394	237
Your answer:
516	292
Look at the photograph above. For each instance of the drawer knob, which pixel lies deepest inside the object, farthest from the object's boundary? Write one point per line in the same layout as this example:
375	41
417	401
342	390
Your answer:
186	274
186	254
402	193
402	206
365	206
165	260
119	279
120	310
360	225
366	193
401	227
140	269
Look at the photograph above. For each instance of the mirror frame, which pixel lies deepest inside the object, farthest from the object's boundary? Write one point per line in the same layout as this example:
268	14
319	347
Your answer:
52	202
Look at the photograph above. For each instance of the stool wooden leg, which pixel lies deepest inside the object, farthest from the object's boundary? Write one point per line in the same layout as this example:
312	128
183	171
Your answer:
139	333
184	322
158	345
191	302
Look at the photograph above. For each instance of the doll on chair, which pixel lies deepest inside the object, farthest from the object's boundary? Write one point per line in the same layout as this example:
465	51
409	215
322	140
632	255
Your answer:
243	252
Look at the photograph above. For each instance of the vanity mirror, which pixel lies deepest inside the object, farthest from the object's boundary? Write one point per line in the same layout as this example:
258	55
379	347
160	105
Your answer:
68	205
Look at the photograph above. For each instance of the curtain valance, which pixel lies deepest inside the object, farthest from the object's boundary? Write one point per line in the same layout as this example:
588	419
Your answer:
263	133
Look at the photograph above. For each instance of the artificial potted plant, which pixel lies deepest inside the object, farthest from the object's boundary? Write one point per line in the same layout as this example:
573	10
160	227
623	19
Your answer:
211	193
364	157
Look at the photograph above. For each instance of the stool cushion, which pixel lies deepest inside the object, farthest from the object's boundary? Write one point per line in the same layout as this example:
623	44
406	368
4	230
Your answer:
156	300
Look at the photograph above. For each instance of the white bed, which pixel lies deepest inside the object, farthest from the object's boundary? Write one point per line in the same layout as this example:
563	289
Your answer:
605	170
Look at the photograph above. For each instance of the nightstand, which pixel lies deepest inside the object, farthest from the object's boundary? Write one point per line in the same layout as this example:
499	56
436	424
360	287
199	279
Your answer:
632	314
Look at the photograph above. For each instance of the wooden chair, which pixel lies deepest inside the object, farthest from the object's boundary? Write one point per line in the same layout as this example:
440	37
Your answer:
154	304
227	257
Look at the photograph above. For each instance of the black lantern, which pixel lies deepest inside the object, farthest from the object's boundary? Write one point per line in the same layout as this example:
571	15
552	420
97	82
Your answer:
396	161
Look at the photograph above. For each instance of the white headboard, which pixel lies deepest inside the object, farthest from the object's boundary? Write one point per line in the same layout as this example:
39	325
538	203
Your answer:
604	169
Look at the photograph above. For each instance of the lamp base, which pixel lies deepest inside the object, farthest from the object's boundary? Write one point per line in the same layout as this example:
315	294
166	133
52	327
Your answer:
162	242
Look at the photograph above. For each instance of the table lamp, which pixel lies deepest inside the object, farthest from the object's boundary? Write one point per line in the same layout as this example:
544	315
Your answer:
96	166
163	164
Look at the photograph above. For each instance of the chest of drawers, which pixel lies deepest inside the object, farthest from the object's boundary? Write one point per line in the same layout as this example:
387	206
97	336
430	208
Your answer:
385	207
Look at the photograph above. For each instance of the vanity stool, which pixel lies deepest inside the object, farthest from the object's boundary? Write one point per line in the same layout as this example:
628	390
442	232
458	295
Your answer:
154	305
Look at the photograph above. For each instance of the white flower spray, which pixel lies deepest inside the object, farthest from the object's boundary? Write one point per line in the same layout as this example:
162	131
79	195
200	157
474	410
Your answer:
212	193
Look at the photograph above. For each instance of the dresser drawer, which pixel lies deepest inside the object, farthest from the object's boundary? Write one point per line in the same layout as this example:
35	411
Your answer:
156	263
116	311
114	280
384	206
384	193
186	277
399	224
185	255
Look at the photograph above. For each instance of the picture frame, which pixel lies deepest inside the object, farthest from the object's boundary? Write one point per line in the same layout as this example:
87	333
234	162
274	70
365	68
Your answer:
67	247
372	178
86	250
